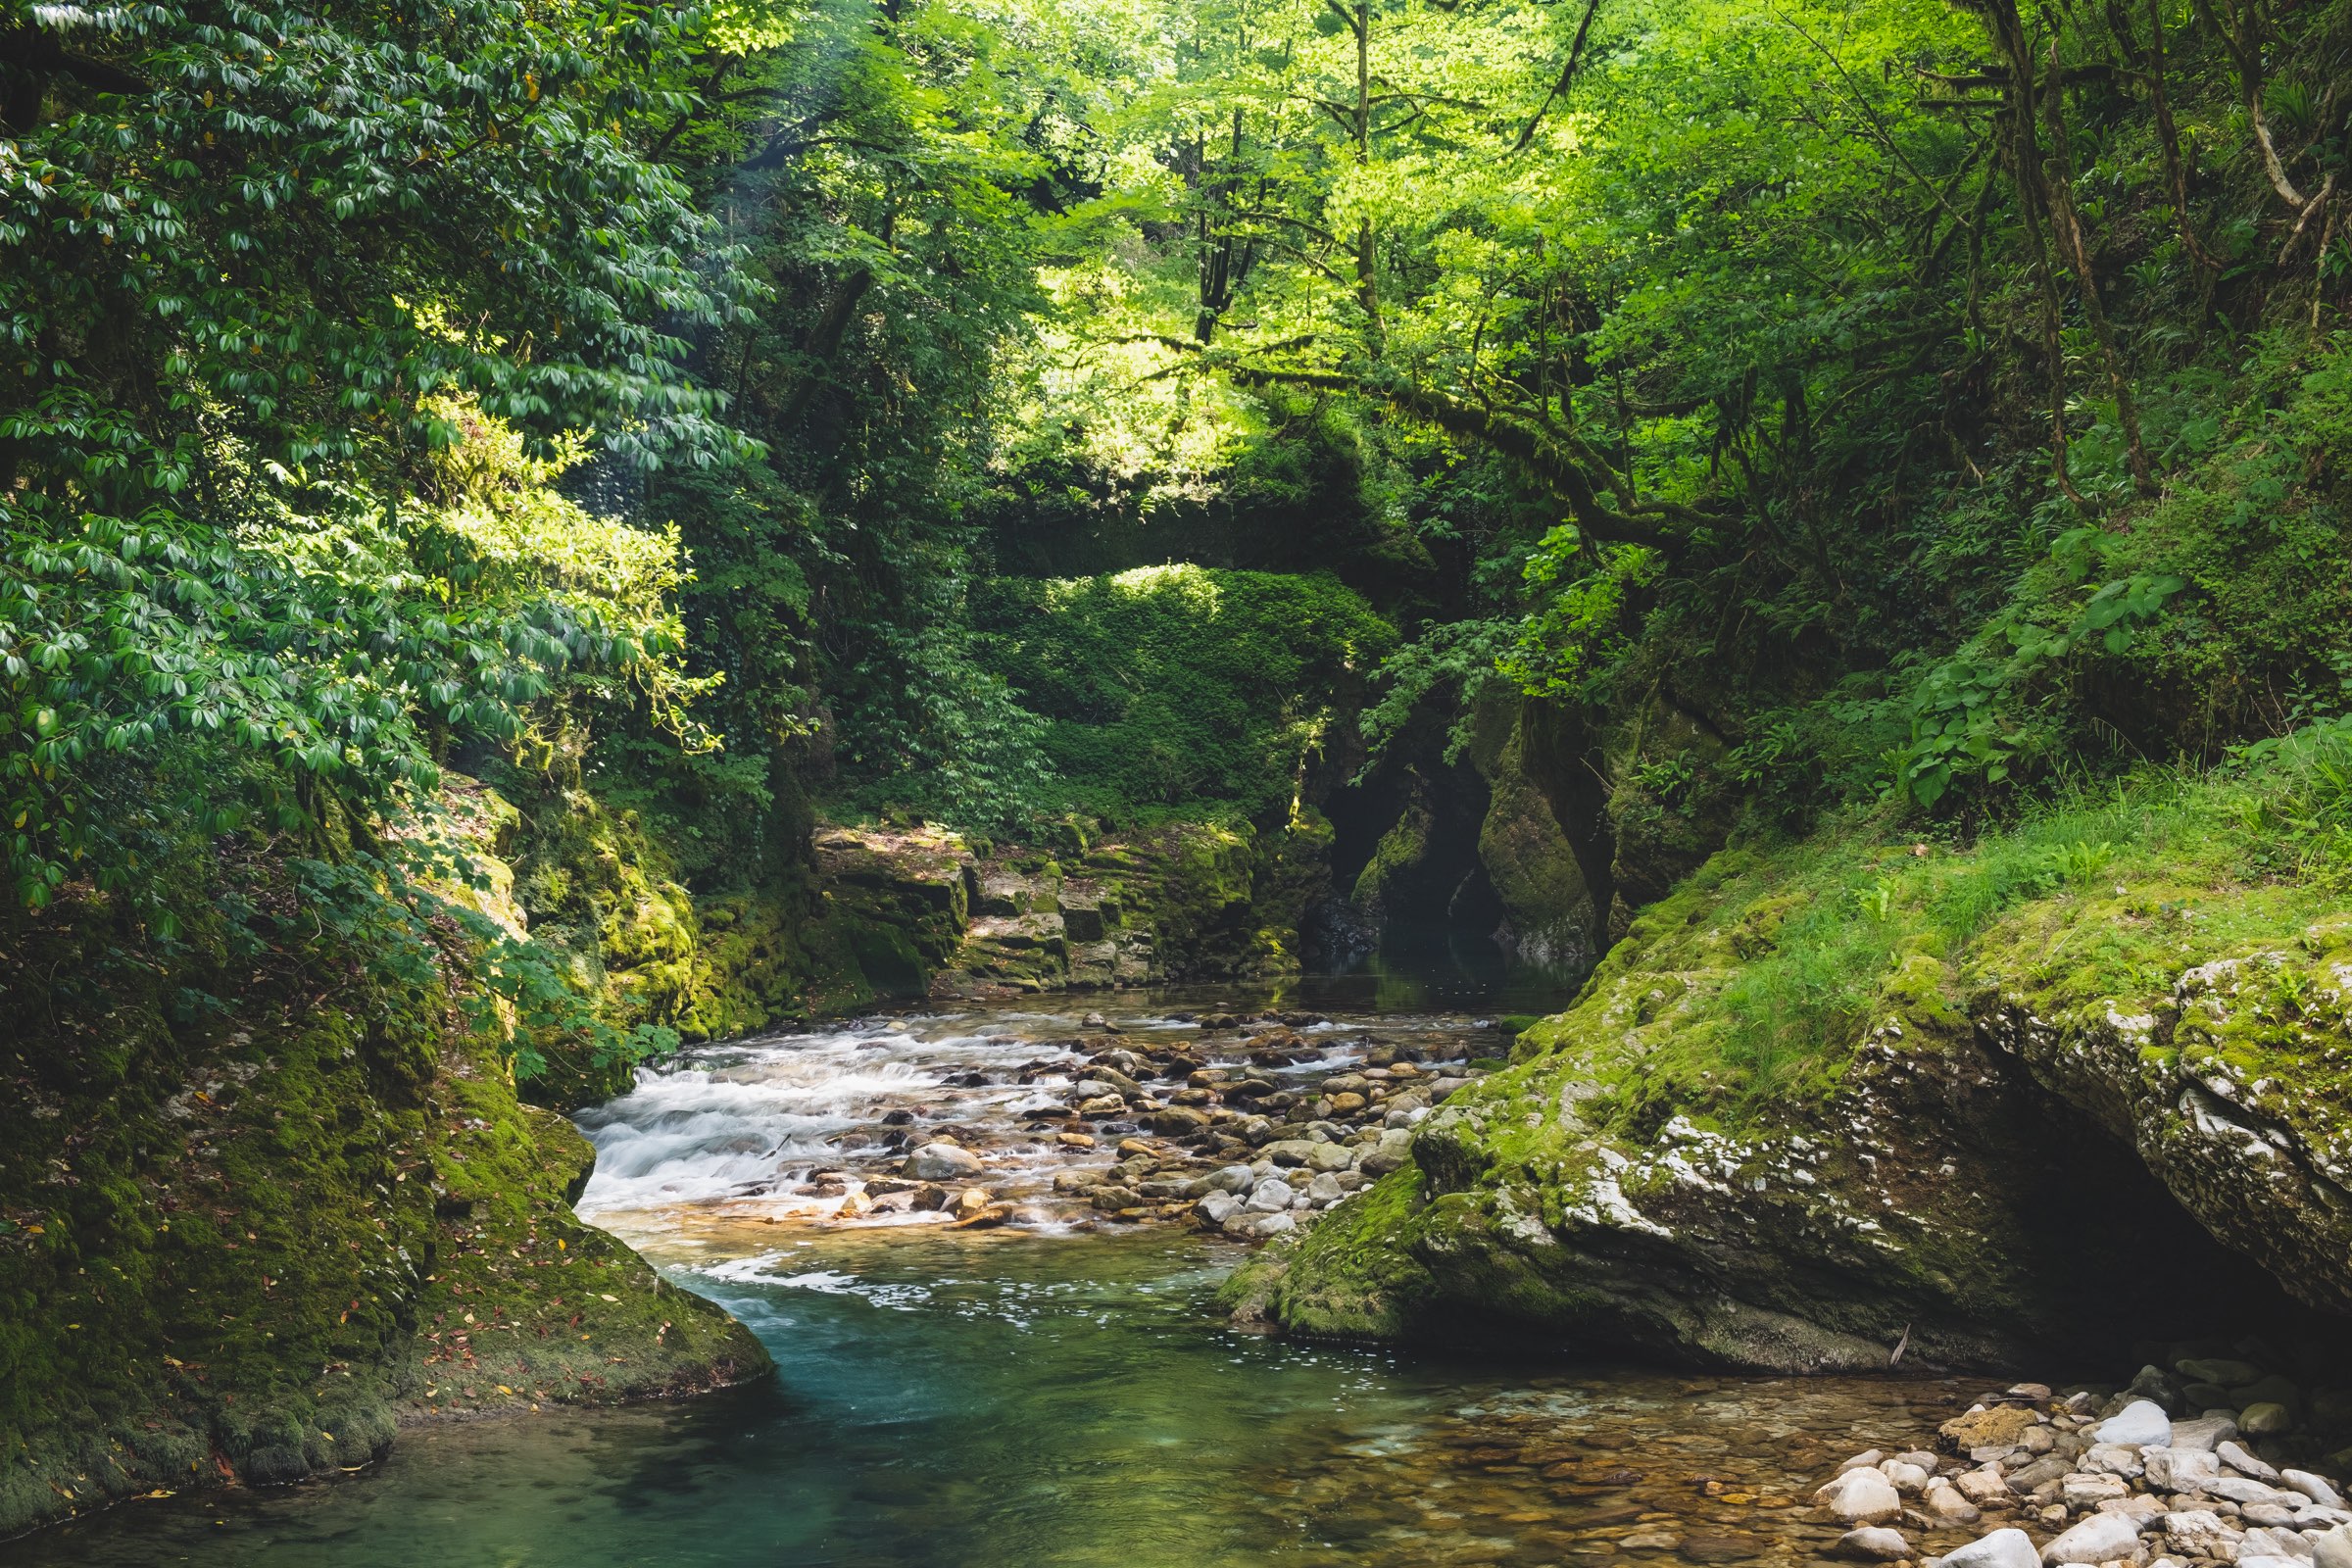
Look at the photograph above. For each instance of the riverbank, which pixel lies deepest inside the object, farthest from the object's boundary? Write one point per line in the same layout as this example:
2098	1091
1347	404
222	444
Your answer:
2003	1102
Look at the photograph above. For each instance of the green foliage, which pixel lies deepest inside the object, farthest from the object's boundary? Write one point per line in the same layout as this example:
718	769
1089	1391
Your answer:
1169	687
252	258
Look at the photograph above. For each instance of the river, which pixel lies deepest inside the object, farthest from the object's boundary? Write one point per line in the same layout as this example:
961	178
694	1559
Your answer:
1051	1391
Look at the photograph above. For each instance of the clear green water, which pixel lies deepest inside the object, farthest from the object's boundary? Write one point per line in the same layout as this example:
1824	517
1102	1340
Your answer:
986	1401
1020	1397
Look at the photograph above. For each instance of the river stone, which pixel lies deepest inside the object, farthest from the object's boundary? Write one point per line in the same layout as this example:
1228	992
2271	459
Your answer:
2200	1533
2315	1487
941	1162
1947	1505
2049	1467
1873	1543
2003	1548
2140	1505
2266	1419
1909	1479
2178	1469
2273	1543
1998	1427
1218	1208
2333	1548
2143	1423
1232	1179
2206	1433
2244	1464
2270	1516
2081	1490
2242	1489
1271	1195
1177	1121
1982	1486
1273	1225
1869	1460
1291	1150
2112	1459
2101	1538
1861	1497
2256	1559
1325	1190
2229	1374
1331	1157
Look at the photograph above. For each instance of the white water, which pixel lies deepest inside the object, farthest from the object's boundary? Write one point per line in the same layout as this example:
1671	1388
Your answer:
790	1128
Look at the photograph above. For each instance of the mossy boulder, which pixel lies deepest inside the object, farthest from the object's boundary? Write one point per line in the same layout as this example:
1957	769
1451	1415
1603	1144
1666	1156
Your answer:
2078	1081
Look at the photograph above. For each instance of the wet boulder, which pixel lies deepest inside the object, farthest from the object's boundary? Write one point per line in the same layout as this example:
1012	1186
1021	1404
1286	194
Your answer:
941	1162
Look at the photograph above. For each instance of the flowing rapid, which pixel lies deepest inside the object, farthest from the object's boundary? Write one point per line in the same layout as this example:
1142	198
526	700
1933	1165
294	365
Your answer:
1030	1374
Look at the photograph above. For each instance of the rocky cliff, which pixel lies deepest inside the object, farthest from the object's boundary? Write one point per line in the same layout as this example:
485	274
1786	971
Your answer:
2033	1095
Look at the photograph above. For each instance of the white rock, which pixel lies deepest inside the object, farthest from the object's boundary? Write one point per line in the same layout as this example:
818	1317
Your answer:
1982	1486
1873	1543
1861	1497
1271	1195
2242	1489
1218	1207
2201	1434
2333	1548
1862	1461
2200	1533
2141	1423
2003	1548
2178	1469
2315	1487
1235	1179
941	1162
2244	1464
2081	1490
1273	1225
2112	1459
1945	1504
1922	1458
1909	1479
2257	1559
2316	1517
2275	1543
2140	1506
2101	1538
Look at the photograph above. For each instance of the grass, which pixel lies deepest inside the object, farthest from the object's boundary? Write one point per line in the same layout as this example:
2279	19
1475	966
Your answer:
1758	978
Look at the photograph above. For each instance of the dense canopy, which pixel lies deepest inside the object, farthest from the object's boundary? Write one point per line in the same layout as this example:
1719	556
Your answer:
728	406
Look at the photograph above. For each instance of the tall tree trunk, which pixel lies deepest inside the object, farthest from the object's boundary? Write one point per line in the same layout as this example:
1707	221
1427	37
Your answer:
2077	247
1367	256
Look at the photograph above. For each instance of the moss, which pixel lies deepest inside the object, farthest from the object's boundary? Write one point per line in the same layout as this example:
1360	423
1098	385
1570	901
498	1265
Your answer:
225	1224
1531	863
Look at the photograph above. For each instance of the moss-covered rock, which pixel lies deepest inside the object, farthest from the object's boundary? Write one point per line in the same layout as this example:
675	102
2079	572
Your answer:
1838	1096
1550	914
261	1204
1188	899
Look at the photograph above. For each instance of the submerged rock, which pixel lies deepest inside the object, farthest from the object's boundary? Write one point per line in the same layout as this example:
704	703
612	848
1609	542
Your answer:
941	1162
